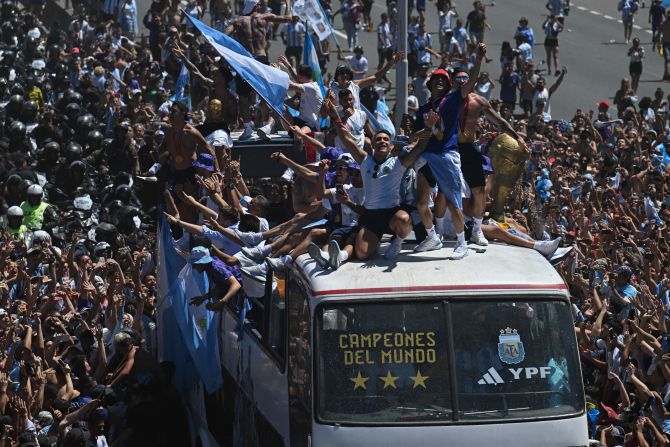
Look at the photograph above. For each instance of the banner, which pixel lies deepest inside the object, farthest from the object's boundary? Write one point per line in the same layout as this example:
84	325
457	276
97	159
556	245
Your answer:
311	12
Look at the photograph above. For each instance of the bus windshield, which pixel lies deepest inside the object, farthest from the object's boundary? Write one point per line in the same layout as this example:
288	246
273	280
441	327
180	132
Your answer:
400	362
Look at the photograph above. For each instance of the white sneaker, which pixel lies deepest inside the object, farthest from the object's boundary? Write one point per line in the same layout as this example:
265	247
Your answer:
460	251
279	264
334	255
318	255
394	249
264	132
248	132
478	238
429	243
547	248
254	253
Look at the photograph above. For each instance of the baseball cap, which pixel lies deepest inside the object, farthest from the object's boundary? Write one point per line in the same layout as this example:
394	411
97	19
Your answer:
439	72
618	433
331	153
345	157
608	413
249	6
204	161
603	103
200	255
75	50
45	417
351	164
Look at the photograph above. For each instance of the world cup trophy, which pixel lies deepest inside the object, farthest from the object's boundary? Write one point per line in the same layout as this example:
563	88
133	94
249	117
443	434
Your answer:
507	159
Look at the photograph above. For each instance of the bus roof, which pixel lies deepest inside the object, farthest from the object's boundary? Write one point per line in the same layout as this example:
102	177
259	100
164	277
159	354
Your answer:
502	269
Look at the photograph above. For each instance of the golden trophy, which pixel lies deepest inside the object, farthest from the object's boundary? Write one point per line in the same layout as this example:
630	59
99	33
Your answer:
508	160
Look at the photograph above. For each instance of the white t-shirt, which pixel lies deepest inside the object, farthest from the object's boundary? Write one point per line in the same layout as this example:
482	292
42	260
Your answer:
542	96
349	216
356	127
358	65
381	183
310	104
352	87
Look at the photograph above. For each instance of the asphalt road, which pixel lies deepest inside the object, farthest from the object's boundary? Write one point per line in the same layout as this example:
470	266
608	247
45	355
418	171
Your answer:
591	47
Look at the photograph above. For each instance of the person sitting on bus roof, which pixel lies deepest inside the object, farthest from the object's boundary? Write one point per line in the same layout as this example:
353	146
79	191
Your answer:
346	204
382	175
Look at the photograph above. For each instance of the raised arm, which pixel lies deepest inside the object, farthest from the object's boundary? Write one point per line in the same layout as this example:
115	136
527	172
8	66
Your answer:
554	87
470	85
408	159
372	80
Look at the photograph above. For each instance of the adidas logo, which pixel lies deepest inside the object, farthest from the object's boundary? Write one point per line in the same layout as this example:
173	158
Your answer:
491	377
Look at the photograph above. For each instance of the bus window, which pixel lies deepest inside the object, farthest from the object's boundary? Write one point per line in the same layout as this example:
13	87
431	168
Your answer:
515	359
299	364
382	363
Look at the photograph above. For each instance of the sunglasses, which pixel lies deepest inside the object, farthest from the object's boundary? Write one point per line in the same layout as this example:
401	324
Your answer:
461	78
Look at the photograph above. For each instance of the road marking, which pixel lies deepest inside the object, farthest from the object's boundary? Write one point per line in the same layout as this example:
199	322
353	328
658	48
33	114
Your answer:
648	31
608	17
581	8
340	33
596	13
637	27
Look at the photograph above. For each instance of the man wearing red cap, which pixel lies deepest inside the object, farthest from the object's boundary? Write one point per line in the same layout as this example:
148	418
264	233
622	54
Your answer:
441	154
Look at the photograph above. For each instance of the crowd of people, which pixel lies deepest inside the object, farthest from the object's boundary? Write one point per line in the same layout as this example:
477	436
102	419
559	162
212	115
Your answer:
102	142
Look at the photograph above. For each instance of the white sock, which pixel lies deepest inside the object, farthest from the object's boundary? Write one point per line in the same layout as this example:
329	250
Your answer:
343	256
324	255
439	225
461	238
478	223
431	233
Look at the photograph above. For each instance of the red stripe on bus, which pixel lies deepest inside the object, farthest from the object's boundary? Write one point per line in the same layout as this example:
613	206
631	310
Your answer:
440	288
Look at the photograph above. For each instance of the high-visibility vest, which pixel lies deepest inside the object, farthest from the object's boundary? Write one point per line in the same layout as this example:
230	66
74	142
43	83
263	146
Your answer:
33	216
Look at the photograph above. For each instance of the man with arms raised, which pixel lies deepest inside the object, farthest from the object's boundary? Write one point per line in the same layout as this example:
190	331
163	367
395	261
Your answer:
382	174
181	140
441	154
471	159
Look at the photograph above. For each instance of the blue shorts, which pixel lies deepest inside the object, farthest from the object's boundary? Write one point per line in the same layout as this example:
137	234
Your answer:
446	168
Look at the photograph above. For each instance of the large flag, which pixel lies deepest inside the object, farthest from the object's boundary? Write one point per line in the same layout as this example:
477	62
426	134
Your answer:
188	334
270	83
180	86
309	57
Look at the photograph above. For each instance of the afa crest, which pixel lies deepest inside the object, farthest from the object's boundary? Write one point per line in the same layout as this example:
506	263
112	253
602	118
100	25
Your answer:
510	347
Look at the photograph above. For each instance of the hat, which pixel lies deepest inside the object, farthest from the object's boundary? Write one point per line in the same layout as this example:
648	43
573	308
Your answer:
78	437
603	103
200	255
608	412
448	31
136	91
249	5
438	72
346	157
45	417
100	246
75	50
618	432
204	161
219	138
625	271
331	153
351	164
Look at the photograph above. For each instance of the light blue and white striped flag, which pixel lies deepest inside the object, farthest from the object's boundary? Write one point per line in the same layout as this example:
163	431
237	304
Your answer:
270	83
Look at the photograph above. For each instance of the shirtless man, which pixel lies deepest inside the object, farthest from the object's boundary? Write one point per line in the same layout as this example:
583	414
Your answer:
471	159
250	29
181	140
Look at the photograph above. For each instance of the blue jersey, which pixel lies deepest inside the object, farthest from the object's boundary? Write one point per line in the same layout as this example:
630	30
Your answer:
449	109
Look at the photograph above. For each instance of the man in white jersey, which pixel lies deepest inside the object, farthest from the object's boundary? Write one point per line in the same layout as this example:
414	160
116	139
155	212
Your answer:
382	174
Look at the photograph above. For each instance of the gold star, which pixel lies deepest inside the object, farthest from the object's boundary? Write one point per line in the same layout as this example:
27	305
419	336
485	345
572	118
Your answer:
388	380
359	381
419	380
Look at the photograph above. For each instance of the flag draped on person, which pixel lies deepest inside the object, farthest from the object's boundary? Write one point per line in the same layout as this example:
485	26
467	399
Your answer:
269	82
380	120
309	57
188	334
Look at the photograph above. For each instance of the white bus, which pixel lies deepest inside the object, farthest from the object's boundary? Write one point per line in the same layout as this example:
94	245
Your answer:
422	351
